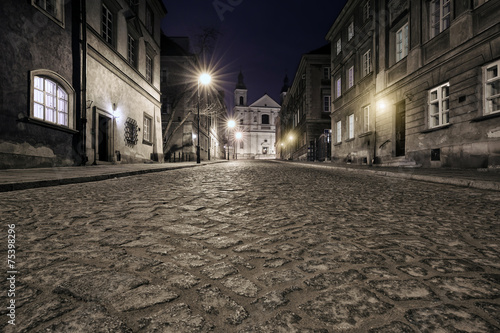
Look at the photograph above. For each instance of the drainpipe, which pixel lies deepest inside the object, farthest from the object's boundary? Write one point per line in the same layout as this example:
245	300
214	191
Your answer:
84	81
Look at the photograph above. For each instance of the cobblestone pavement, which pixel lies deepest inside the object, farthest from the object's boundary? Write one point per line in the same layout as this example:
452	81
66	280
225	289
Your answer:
253	246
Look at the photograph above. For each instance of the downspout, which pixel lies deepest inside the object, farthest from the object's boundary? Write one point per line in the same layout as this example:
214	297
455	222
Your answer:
84	81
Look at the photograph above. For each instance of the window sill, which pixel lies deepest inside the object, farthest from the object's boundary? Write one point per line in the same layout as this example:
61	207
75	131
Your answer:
148	143
337	144
486	117
49	125
437	128
349	140
365	134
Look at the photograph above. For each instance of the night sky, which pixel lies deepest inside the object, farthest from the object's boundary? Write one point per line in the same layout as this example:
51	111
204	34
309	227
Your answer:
265	39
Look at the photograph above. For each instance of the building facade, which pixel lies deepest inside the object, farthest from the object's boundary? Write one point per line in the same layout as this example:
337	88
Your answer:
304	132
83	82
256	122
415	83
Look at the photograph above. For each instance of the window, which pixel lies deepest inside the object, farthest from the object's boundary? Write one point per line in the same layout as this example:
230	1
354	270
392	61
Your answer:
131	50
402	43
350	126
439	105
265	119
339	46
52	8
491	80
133	4
440	16
107	24
51	101
338	87
149	19
366	11
350	77
147	128
350	31
241	121
241	144
478	3
326	73
338	126
241	100
149	69
366	119
326	103
367	63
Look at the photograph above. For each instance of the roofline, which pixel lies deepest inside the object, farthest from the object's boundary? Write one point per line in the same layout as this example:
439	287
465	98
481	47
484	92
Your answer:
339	18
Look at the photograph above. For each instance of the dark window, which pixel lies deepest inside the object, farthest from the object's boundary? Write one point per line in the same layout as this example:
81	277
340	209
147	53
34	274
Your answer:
149	19
241	100
265	119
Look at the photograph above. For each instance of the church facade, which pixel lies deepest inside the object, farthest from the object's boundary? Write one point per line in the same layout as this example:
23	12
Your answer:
256	122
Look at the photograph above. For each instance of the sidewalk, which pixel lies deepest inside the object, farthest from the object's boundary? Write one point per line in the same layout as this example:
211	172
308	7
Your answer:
484	179
21	179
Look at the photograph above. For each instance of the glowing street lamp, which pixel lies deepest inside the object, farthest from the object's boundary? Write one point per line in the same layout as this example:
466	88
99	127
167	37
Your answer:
204	79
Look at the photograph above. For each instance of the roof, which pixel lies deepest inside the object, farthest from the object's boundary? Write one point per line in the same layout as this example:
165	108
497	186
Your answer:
265	101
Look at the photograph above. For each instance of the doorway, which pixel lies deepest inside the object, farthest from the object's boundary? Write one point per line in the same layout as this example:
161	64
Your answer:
400	128
103	138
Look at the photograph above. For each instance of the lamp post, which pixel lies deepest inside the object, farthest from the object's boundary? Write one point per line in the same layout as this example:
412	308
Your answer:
205	80
230	125
237	136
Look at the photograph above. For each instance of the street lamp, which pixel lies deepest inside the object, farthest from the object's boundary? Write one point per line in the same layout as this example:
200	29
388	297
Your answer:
204	79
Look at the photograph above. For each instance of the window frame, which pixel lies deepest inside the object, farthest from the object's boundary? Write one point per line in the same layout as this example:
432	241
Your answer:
339	45
350	31
57	16
60	82
350	77
442	4
268	119
350	126
338	87
147	129
366	118
488	82
107	32
149	69
149	19
327	103
439	100
367	62
402	45
338	131
132	54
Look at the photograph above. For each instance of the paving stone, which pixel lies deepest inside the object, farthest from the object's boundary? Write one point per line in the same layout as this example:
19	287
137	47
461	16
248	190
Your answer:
286	321
491	309
161	249
183	229
175	276
142	297
241	286
190	260
214	302
452	265
326	280
276	277
176	319
462	288
378	272
448	318
415	271
394	327
404	290
360	257
219	270
275	298
345	307
275	262
223	242
398	256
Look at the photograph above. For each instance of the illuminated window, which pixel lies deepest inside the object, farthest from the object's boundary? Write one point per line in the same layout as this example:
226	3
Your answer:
52	99
440	11
338	87
367	63
52	8
491	79
147	129
339	46
107	24
439	105
402	43
366	119
350	126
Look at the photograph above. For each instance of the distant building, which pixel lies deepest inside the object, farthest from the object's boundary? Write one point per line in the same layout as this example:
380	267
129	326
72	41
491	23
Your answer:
416	83
179	74
80	93
256	122
304	131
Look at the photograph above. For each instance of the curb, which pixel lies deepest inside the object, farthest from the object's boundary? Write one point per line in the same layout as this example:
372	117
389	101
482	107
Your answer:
86	179
476	184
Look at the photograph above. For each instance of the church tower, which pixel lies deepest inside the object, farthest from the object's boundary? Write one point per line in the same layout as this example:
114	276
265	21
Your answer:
240	93
284	89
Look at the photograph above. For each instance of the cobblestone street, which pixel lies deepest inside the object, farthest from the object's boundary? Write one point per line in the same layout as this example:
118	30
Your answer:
254	246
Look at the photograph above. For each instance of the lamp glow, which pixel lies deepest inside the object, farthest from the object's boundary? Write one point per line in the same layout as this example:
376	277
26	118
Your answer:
238	135
205	78
231	123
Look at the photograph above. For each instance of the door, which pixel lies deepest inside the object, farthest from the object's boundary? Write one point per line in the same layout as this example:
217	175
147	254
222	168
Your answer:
103	138
400	129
